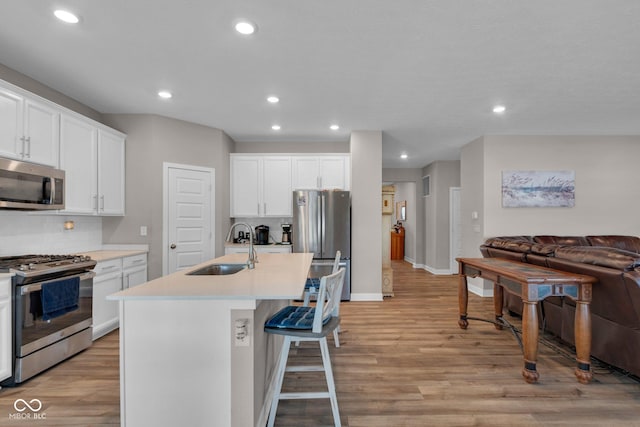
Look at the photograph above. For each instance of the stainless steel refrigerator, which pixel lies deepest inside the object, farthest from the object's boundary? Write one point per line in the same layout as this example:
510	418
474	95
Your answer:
322	225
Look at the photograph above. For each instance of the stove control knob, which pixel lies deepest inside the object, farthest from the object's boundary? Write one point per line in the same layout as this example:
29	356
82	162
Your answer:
22	267
32	266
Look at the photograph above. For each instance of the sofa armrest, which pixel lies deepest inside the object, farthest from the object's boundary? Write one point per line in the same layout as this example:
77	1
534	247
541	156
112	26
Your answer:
601	256
626	243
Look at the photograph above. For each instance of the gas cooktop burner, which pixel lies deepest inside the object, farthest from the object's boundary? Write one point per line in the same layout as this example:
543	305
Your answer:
34	265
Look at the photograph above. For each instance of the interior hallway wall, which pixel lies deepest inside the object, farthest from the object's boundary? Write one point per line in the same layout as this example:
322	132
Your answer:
406	191
443	175
414	175
366	215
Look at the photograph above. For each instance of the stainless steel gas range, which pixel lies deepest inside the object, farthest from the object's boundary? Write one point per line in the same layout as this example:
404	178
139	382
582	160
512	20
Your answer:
52	310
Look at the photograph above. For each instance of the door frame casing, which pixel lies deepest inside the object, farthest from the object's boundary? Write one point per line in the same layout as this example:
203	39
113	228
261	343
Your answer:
165	208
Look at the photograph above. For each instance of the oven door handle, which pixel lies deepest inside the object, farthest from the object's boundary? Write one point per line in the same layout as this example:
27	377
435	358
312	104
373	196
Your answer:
33	287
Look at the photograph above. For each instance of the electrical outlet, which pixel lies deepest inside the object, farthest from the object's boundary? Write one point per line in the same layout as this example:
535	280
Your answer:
143	230
241	333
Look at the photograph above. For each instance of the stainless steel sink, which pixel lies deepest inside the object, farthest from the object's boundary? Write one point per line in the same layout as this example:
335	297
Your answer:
218	270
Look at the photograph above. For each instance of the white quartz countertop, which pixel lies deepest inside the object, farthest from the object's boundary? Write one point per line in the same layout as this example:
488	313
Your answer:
105	255
275	276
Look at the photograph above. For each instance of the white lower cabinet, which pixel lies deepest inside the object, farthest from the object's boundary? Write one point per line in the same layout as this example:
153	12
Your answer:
113	276
108	280
5	328
260	249
134	271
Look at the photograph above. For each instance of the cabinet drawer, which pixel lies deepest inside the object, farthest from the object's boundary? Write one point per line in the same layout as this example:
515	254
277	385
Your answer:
134	261
110	266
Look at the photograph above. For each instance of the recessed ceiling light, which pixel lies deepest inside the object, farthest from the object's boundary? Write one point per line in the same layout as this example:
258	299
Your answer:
165	94
499	109
334	127
273	99
66	16
275	127
404	156
245	27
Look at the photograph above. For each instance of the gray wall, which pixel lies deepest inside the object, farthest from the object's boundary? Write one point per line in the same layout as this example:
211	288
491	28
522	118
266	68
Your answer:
443	176
151	141
291	147
27	83
607	197
366	214
472	196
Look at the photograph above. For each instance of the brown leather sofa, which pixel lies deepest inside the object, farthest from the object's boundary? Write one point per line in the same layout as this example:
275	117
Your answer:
615	308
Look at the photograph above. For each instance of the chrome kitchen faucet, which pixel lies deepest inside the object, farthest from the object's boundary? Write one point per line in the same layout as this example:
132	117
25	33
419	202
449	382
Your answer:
253	256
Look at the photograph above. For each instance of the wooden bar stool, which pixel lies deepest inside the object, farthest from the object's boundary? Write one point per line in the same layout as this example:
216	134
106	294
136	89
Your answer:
311	288
305	323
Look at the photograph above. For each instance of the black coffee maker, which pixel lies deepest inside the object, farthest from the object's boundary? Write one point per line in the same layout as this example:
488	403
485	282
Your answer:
286	234
262	235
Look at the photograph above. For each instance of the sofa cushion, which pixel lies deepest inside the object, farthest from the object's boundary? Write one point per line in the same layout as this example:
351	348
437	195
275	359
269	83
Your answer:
562	240
626	243
545	249
511	243
599	255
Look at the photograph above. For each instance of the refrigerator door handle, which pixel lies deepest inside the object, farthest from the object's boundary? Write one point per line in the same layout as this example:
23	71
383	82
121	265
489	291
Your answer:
322	217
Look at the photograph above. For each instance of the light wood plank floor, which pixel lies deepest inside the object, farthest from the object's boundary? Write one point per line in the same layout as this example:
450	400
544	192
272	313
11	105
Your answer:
403	362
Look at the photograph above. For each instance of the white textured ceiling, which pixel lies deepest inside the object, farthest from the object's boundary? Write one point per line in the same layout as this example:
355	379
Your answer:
426	73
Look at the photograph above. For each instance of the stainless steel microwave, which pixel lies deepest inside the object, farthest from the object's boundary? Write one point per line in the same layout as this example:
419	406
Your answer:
29	186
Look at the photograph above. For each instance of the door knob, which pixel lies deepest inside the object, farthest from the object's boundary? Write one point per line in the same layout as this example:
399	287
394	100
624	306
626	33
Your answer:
173	246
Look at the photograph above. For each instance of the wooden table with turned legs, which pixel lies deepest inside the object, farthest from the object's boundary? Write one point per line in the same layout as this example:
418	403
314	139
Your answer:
532	283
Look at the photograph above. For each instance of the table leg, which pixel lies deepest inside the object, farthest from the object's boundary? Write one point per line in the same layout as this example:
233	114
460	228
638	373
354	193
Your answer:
530	340
497	304
463	299
583	342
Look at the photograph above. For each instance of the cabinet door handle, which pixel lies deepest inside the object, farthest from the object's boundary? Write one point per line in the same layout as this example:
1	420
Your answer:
95	201
102	203
22	152
28	151
173	246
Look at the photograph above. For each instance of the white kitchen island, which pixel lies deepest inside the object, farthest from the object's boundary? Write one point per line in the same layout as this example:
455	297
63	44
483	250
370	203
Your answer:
182	361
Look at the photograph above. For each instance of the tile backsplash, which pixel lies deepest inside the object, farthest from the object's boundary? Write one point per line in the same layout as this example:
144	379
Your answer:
36	233
274	224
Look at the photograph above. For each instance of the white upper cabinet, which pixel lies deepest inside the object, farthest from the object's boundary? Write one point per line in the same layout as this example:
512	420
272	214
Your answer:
29	128
110	173
79	160
260	186
11	109
319	171
276	187
93	159
245	186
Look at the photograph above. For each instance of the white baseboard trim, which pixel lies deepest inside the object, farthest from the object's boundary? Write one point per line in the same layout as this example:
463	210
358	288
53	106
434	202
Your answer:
436	271
367	297
101	330
477	286
410	260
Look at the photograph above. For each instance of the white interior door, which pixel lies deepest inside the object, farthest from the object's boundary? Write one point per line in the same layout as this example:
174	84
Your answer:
455	221
189	216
